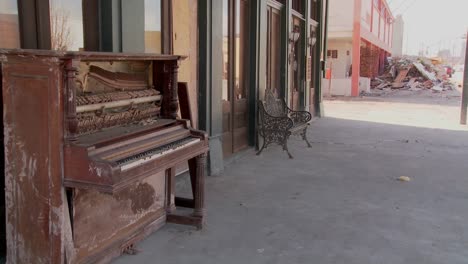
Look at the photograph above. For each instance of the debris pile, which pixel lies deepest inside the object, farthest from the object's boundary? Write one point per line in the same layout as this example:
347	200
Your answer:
414	75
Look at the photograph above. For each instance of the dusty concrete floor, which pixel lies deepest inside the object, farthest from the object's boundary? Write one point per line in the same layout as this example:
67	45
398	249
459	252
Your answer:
340	202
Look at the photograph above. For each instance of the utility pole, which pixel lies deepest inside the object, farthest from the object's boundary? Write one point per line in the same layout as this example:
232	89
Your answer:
464	103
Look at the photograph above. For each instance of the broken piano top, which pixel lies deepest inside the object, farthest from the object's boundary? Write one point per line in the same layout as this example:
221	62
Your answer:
121	118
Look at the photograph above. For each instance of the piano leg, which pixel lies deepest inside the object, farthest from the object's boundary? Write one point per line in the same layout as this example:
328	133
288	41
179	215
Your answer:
197	178
170	199
199	194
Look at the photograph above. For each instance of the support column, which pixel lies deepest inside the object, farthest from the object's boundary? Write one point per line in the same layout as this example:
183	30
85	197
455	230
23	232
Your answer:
320	54
356	48
464	103
210	43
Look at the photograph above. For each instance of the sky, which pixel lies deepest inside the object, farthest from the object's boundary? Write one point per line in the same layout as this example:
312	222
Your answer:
8	7
432	24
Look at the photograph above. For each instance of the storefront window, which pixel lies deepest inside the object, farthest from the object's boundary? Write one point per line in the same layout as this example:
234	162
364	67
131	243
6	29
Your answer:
66	25
9	25
313	9
153	26
298	5
241	48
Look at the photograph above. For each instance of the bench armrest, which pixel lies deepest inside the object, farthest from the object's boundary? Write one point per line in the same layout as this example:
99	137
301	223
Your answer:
300	116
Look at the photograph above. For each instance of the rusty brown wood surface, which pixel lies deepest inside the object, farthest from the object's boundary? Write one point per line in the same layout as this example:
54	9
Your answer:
33	131
401	76
71	212
102	220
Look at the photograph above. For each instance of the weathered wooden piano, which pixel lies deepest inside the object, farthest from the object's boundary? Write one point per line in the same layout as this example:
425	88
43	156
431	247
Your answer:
91	144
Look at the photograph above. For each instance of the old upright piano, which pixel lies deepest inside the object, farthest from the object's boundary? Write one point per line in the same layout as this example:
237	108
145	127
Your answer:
91	144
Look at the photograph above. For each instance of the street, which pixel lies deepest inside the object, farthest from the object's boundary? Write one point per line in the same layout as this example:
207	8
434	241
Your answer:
340	201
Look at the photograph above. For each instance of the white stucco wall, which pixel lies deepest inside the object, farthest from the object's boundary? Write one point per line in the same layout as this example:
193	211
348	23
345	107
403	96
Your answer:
340	66
342	87
398	31
341	15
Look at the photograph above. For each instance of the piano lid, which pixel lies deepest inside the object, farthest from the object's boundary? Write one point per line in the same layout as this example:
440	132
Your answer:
122	132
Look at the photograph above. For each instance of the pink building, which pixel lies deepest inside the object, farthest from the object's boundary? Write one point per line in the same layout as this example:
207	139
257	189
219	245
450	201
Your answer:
359	40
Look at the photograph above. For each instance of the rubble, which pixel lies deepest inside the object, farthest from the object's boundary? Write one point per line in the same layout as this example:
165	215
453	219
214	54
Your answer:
437	88
413	74
429	75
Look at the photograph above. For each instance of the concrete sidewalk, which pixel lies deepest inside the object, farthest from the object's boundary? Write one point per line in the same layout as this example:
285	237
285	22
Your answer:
338	202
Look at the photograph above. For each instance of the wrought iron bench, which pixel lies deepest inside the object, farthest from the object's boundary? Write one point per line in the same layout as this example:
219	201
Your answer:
277	122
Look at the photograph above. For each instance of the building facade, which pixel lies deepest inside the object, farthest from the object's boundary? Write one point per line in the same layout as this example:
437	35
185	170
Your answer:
253	46
398	34
360	36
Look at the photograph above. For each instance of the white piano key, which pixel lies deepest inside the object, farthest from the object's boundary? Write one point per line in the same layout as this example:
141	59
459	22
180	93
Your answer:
129	165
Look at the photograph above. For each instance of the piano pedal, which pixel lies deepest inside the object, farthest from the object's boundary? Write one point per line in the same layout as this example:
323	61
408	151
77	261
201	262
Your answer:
130	250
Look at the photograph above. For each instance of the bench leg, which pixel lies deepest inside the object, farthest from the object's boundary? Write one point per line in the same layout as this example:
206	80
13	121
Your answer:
285	148
261	149
304	137
263	146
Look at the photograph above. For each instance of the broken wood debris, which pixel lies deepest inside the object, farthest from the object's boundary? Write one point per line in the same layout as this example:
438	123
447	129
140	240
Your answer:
413	74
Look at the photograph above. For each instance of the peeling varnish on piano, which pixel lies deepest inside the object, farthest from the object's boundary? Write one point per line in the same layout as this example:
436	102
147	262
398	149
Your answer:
108	209
93	169
127	208
141	197
9	185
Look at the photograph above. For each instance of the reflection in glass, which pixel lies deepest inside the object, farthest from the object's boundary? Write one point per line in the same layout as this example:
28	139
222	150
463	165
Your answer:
66	25
241	48
153	26
273	50
225	50
9	26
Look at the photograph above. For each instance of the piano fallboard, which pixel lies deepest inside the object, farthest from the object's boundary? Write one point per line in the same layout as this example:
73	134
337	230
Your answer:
111	160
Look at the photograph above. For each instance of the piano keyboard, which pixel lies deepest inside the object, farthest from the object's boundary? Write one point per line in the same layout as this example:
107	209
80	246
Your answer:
151	154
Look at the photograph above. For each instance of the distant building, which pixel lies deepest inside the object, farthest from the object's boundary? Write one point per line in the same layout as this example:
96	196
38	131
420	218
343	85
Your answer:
463	50
398	33
9	29
359	40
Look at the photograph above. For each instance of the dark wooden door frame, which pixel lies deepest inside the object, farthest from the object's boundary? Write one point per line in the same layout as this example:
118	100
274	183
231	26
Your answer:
273	6
232	73
34	24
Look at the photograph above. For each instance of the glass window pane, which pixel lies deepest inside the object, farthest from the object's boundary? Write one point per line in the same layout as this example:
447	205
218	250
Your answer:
9	26
241	43
66	24
297	5
153	26
275	52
